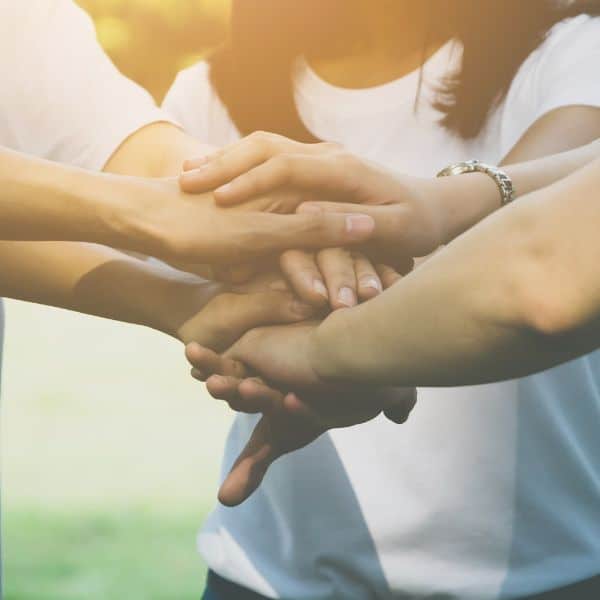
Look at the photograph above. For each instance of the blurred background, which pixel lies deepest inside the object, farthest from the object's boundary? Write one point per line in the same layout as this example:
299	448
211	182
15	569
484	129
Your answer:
110	450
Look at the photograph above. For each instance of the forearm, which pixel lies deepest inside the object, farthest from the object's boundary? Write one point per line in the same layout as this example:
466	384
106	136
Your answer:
465	200
42	200
517	294
100	281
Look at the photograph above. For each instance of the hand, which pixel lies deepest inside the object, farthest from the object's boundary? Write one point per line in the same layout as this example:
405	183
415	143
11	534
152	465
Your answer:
290	421
164	222
216	316
269	172
337	276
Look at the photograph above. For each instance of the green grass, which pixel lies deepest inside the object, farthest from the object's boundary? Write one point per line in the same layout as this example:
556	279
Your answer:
110	459
132	555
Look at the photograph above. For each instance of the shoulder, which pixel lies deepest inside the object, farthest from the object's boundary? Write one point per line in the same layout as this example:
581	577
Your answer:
573	43
193	102
564	68
575	37
561	72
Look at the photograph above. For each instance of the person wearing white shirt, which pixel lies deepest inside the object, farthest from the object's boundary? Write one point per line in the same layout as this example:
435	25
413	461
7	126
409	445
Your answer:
457	503
63	101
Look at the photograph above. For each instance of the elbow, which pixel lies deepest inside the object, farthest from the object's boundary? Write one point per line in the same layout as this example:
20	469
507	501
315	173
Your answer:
547	298
550	315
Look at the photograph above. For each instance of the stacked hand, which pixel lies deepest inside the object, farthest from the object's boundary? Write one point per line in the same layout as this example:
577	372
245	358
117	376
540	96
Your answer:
290	420
269	370
268	172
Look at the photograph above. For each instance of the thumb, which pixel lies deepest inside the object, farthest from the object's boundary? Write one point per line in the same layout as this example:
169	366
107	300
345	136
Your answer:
251	466
271	232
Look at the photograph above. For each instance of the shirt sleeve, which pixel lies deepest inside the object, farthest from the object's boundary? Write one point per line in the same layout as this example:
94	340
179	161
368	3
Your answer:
562	72
568	70
193	102
62	98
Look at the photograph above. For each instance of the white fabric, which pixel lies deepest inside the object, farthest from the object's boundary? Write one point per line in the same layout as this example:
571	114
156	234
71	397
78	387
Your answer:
487	492
61	97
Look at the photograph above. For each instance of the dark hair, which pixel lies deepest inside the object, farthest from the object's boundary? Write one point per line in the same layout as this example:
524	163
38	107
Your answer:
252	72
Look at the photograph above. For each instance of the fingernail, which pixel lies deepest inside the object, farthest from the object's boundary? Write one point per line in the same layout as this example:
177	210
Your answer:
320	288
346	296
359	225
224	189
193	175
371	282
188	165
302	309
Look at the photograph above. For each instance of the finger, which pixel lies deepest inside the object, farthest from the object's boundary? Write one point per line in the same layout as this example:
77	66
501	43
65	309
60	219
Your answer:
259	234
399	410
210	363
387	276
301	409
224	388
369	284
262	400
194	163
198	374
256	396
392	233
227	164
227	317
337	267
249	469
303	167
301	270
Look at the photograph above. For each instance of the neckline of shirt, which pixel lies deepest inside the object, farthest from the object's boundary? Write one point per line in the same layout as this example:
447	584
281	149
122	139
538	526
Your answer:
310	86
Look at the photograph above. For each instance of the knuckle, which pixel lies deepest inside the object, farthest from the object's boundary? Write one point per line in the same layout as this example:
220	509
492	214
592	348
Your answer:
265	141
283	165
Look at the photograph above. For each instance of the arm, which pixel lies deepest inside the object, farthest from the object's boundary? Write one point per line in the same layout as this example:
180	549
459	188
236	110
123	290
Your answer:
515	295
413	216
41	200
100	281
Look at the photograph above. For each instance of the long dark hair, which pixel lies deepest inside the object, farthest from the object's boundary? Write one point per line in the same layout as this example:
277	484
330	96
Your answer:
252	72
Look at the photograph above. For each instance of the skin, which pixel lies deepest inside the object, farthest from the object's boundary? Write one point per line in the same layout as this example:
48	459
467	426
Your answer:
530	312
413	217
533	310
46	201
100	281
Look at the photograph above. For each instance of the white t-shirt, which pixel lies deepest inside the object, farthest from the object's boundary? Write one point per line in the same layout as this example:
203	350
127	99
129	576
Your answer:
487	492
61	97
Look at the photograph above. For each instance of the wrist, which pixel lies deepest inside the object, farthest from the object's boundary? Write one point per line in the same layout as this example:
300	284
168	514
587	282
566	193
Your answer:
463	201
180	298
125	208
326	344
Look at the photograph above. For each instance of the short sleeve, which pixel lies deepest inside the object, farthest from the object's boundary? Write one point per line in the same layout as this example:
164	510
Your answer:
194	104
568	71
563	71
61	96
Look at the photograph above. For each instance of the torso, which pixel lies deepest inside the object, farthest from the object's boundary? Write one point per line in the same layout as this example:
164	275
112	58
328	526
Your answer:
475	496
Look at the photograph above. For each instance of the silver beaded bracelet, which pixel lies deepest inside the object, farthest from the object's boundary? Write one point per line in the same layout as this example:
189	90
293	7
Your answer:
502	180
